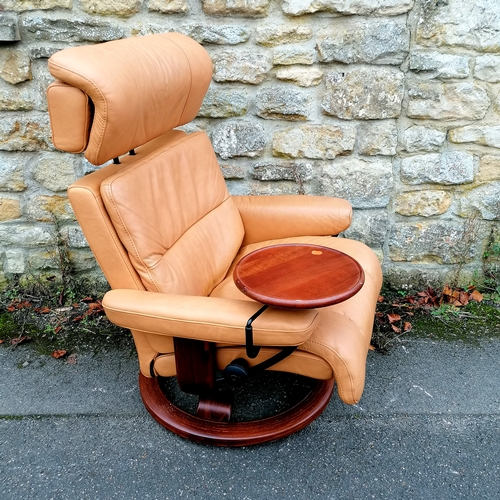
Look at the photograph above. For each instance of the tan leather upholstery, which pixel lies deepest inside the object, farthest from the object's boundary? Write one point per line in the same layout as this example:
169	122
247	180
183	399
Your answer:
270	217
71	113
141	88
167	234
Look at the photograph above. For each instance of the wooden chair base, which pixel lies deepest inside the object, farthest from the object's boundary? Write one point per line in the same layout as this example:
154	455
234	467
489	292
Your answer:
234	433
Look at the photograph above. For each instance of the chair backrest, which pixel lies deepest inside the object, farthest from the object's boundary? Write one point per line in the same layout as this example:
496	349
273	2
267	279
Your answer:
163	219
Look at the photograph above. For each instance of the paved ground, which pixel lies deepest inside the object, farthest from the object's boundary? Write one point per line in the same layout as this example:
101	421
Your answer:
427	427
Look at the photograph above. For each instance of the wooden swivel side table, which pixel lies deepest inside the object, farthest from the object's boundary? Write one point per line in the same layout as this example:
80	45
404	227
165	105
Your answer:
296	276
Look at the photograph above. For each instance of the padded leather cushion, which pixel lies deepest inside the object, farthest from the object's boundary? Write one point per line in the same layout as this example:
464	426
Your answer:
70	113
174	215
141	88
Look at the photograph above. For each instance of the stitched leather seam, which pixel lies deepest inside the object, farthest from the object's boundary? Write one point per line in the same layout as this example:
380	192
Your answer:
114	236
191	73
132	243
104	104
138	93
128	313
153	266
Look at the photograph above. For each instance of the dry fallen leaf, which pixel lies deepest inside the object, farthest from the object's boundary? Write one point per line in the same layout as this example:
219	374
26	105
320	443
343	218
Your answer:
20	340
477	296
2	341
396	329
380	299
407	326
393	317
58	354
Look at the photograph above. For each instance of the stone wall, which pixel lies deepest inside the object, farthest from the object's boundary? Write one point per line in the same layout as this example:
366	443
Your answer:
392	104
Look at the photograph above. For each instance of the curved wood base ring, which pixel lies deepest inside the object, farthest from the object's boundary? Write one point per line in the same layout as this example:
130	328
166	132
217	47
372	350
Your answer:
234	433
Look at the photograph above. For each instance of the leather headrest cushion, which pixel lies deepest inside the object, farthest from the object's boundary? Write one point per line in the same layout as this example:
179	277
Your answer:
140	87
70	112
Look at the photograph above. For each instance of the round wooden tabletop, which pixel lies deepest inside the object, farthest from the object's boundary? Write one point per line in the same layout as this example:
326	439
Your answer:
298	276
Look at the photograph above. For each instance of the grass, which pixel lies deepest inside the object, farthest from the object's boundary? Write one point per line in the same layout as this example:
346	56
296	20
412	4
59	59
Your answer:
51	316
429	315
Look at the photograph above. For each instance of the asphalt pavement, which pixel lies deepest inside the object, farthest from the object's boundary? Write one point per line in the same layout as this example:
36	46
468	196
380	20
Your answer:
427	427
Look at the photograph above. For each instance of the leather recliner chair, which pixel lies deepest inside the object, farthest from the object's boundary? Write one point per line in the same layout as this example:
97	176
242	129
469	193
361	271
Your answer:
167	236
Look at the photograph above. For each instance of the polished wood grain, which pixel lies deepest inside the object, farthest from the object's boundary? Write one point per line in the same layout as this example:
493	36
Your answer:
298	276
234	433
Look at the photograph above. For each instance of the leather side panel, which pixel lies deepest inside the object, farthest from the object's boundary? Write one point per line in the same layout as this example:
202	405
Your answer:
70	113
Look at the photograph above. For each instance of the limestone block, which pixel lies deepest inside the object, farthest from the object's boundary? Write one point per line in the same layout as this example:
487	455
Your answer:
55	171
168	6
16	99
368	41
15	66
487	68
484	200
217	35
423	203
34	28
270	36
74	236
450	167
251	8
231	172
25	5
120	8
364	183
487	135
24	133
439	242
281	103
276	188
303	77
323	142
25	235
357	7
42	261
244	67
489	169
440	65
48	208
221	102
473	25
369	227
288	56
238	138
377	138
364	93
11	172
15	261
43	52
287	171
82	260
447	101
9	29
418	138
9	209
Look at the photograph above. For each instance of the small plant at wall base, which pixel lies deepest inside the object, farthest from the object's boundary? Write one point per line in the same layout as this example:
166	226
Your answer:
59	312
491	267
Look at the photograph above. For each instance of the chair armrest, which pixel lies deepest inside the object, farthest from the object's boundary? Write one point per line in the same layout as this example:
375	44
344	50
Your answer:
273	217
212	319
